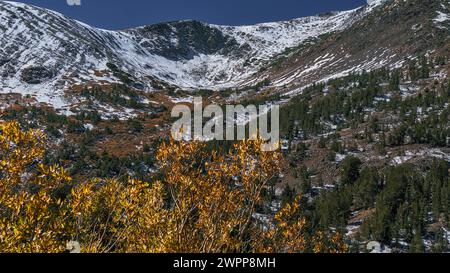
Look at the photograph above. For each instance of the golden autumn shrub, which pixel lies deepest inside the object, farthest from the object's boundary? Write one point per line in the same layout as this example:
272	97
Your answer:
205	203
32	219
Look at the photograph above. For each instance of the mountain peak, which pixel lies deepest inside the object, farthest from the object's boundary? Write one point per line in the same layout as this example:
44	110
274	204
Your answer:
375	2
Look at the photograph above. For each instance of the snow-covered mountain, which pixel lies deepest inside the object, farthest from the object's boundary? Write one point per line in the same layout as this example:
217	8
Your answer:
43	52
390	35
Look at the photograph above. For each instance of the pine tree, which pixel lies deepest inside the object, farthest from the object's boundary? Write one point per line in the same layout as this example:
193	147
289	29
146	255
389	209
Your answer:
350	170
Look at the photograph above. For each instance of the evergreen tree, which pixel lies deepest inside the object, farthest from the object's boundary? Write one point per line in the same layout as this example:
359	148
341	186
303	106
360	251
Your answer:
350	170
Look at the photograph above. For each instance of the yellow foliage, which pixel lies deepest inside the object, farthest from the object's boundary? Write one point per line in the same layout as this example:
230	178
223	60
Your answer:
204	203
31	219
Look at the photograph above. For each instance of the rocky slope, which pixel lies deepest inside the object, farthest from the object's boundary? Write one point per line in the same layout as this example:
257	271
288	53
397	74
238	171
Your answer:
393	33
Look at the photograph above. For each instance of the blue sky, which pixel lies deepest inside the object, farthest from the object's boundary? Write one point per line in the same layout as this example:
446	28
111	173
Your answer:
120	14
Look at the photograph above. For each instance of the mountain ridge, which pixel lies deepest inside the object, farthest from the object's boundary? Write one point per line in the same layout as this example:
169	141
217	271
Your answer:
44	53
187	54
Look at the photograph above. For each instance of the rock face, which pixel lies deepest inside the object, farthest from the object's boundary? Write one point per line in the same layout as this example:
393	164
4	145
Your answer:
184	40
3	61
36	74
